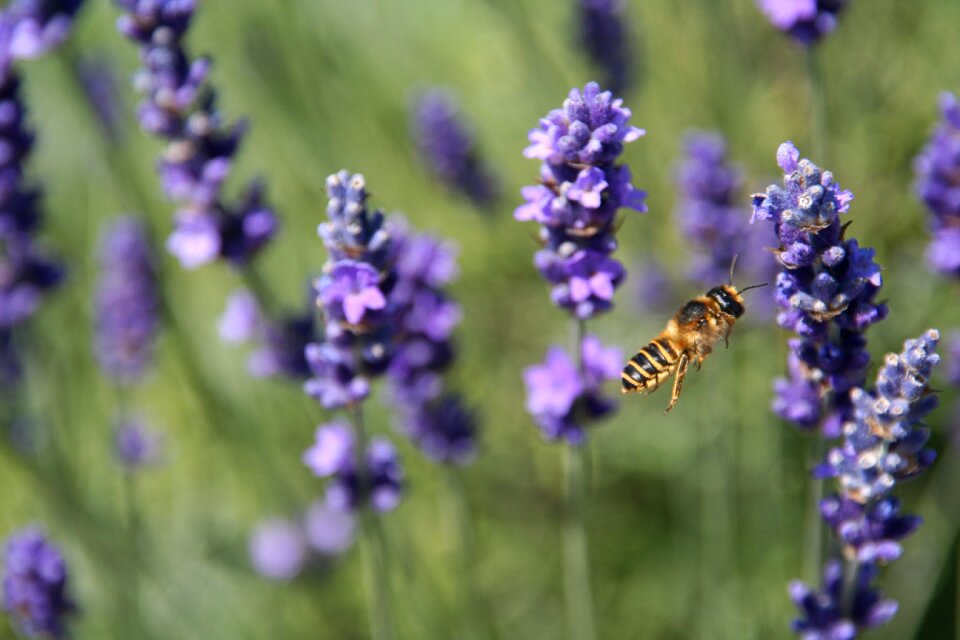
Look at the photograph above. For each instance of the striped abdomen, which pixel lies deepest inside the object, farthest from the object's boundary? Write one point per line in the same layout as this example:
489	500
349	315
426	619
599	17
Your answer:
650	367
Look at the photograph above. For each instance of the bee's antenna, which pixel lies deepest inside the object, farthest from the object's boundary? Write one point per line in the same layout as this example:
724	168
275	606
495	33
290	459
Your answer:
733	263
753	286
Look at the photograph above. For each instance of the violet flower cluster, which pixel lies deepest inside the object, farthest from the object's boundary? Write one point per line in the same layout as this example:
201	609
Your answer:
26	271
282	548
448	147
372	476
938	186
564	396
806	21
127	302
711	218
39	26
352	293
581	190
883	444
438	421
35	585
180	107
576	203
279	345
825	290
127	310
602	30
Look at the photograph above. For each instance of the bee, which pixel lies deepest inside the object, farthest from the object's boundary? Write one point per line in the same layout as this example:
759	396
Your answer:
688	339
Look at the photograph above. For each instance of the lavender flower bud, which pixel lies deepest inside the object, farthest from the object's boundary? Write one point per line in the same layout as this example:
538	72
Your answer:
938	186
377	480
278	549
807	21
38	26
35	585
580	191
824	614
603	33
180	107
330	531
127	302
136	444
448	149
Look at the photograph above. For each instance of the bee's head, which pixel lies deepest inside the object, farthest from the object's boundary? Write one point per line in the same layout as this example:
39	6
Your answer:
729	299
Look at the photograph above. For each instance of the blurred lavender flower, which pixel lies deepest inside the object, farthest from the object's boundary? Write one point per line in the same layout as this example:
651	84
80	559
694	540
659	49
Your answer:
448	149
604	35
825	289
653	289
278	549
35	585
580	191
825	614
136	444
279	344
445	430
25	272
952	373
563	398
98	78
39	25
711	219
127	301
805	20
330	531
334	456
938	186
180	107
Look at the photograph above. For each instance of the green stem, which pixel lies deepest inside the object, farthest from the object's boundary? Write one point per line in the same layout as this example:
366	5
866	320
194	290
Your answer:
576	559
819	134
475	604
579	594
134	616
373	548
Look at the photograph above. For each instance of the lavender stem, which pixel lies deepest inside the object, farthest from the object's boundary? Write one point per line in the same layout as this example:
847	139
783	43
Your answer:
372	547
819	136
576	565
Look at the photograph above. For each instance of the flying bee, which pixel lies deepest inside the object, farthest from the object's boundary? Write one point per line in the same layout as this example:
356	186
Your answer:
688	339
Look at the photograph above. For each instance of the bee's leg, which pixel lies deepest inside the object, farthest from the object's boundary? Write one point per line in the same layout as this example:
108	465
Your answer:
678	382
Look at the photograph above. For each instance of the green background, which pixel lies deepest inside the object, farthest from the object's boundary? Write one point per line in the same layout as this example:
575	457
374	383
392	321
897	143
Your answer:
695	519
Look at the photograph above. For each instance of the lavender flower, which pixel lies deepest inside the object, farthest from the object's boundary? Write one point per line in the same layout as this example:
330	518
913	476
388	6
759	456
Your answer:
952	374
330	531
25	272
577	200
604	36
127	301
98	77
445	429
825	289
824	613
882	445
39	25
807	21
278	549
136	444
448	149
563	397
710	217
179	106
35	585
378	480
938	186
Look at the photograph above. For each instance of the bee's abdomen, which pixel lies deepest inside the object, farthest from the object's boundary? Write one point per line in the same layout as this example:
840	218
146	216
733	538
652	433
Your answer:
649	367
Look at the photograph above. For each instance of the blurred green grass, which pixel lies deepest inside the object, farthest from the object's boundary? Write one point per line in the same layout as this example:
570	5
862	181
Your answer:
695	518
